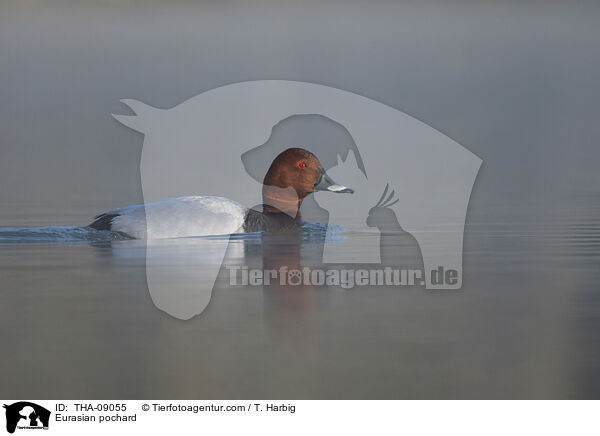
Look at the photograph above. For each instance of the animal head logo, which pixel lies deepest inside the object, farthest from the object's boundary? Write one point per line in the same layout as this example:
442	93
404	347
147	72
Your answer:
219	142
25	414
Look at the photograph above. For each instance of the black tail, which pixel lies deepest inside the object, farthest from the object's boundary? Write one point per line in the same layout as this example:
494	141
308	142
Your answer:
103	221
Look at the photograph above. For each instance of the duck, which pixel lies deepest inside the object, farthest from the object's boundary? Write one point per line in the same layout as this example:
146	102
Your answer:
292	176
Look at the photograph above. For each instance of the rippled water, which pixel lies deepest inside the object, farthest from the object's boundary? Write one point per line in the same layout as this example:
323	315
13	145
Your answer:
524	325
55	234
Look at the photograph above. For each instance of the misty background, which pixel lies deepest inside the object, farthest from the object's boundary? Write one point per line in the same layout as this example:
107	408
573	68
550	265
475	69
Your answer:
514	83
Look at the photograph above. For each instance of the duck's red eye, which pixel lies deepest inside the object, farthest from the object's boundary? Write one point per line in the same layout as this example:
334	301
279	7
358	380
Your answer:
302	165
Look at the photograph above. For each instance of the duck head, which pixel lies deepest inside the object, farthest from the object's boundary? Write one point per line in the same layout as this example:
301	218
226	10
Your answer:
294	174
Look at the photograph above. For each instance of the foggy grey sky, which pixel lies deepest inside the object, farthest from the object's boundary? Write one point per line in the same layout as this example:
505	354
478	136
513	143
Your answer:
515	84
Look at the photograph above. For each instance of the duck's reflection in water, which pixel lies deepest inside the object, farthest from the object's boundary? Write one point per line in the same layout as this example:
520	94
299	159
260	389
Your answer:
288	297
291	325
181	273
291	311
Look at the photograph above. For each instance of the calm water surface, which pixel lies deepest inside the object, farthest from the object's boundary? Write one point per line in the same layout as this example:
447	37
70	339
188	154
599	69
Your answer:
78	321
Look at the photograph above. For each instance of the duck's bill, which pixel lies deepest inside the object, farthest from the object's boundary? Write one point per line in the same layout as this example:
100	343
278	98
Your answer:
340	189
326	184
